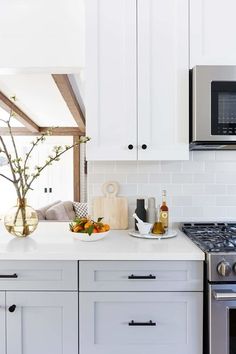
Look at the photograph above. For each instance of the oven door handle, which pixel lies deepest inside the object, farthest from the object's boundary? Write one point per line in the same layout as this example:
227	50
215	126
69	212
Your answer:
224	295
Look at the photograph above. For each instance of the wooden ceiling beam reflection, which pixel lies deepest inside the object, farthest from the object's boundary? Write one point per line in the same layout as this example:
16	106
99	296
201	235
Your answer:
61	131
9	106
63	83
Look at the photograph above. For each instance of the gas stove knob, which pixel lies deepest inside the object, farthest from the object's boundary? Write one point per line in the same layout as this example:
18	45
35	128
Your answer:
224	269
234	267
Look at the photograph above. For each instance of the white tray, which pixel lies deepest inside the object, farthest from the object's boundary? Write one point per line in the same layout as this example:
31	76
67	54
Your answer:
171	233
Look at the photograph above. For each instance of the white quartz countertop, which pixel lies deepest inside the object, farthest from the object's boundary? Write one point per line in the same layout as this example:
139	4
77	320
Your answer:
53	241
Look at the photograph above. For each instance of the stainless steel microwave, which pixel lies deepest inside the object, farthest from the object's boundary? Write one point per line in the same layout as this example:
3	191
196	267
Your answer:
213	108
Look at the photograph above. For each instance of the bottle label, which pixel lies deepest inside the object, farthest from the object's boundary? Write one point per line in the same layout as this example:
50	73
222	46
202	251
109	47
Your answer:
164	215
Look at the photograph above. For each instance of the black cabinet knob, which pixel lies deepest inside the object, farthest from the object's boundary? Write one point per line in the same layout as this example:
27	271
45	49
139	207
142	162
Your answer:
144	146
130	147
12	308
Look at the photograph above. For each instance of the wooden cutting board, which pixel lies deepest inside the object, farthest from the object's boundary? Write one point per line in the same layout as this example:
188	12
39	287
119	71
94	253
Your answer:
112	208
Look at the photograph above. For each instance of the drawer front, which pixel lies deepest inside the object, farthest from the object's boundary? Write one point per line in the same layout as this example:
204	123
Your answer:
140	276
139	323
38	275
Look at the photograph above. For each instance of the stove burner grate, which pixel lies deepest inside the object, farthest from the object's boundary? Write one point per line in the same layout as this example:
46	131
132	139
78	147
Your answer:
212	237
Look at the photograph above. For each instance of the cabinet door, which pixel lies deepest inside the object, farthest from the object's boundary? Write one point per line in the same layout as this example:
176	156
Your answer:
2	323
42	322
111	79
46	34
48	187
107	327
212	32
163	80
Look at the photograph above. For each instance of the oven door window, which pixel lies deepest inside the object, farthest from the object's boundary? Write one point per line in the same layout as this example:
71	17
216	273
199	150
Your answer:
223	108
232	331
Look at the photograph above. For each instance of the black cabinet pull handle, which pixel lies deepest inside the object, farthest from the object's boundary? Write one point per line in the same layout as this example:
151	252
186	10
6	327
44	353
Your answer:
12	308
150	276
130	147
144	146
45	190
50	190
150	323
4	276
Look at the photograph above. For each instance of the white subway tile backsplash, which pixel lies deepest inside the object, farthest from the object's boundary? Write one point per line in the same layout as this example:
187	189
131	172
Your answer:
192	189
182	201
149	166
126	167
97	178
128	189
226	200
204	201
204	155
118	177
137	178
221	166
159	178
201	189
193	212
171	166
226	177
203	178
225	155
231	213
149	190
193	166
216	213
182	178
215	189
231	189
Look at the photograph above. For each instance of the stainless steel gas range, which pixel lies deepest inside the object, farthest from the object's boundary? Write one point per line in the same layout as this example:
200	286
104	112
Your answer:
218	241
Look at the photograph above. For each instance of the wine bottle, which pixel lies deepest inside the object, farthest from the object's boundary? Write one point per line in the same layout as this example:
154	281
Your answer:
164	212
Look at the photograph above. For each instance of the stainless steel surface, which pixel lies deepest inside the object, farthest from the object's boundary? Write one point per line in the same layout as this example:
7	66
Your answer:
218	241
219	317
224	269
201	109
213	261
224	295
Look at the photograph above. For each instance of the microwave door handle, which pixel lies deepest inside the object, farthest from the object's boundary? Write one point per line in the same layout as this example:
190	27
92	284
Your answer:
224	296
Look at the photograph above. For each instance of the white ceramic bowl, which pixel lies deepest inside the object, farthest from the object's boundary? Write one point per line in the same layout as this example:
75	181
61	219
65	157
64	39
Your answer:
89	238
144	228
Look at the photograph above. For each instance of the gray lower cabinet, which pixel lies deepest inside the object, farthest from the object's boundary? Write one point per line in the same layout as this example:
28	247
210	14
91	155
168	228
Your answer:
140	307
42	322
2	323
138	323
38	307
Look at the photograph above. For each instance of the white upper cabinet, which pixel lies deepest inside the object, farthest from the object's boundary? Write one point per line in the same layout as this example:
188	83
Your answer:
111	79
212	32
137	79
163	79
42	33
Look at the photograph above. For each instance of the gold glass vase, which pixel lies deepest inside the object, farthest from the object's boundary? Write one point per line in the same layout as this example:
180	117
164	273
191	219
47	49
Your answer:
21	220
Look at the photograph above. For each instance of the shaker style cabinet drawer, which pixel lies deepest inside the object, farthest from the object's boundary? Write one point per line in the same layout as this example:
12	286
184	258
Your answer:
38	275
138	323
140	276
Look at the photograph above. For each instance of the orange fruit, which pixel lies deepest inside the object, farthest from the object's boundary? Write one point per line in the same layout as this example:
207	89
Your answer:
77	228
106	227
87	225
